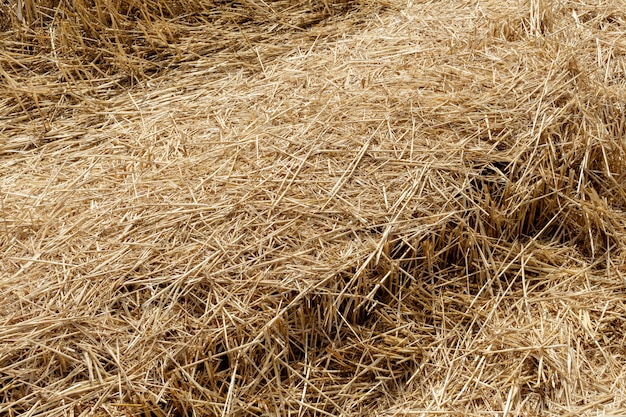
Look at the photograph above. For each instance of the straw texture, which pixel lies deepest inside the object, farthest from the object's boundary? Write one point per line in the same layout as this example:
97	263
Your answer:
280	208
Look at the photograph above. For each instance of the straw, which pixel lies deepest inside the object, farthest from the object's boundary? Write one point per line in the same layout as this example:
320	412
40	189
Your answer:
312	208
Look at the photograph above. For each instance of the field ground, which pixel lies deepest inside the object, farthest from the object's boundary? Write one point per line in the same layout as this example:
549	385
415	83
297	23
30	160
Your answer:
283	208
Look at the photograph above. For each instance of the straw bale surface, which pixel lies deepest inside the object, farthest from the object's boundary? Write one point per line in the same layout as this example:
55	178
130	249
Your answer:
274	208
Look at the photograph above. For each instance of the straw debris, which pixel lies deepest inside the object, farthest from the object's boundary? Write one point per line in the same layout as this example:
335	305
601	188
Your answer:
312	208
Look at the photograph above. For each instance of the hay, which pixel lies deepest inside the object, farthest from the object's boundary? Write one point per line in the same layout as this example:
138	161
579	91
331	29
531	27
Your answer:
325	208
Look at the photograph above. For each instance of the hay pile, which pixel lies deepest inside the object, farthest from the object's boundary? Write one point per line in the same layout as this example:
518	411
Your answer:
331	208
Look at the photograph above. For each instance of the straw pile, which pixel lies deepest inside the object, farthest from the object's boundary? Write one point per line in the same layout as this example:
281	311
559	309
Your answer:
274	208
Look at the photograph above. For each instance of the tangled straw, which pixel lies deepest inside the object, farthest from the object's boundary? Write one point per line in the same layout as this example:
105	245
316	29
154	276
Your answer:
312	208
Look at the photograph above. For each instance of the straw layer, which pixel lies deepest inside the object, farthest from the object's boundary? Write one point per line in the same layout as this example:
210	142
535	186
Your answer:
338	208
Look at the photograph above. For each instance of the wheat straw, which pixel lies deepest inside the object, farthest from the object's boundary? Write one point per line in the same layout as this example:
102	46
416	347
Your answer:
312	208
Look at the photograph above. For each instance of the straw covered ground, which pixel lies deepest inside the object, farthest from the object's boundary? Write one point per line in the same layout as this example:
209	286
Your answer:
324	207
